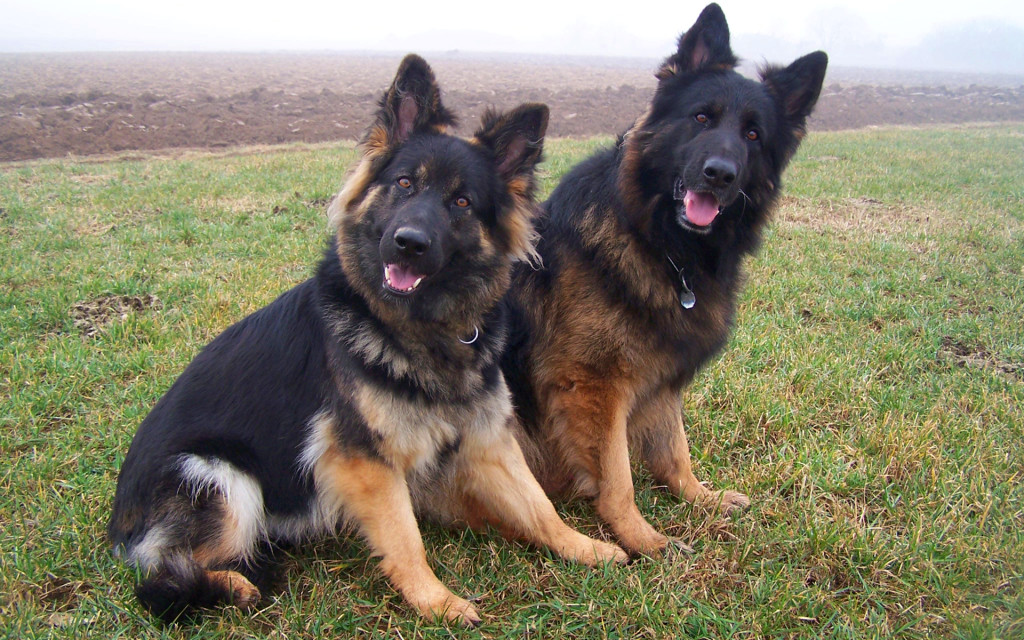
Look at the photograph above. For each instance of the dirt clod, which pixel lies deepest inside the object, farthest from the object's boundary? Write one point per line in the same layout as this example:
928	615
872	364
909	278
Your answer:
93	316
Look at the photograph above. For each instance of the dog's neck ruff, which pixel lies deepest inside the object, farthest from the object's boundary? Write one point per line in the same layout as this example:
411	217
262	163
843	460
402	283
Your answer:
686	297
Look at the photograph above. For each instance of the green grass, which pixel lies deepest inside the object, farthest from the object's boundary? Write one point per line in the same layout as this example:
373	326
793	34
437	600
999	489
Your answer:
871	402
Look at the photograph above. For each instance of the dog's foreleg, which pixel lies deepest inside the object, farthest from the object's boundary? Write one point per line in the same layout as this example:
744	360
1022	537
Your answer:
666	452
493	476
616	499
588	426
376	498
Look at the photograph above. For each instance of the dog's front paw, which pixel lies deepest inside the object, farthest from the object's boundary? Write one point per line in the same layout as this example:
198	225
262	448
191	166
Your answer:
579	548
461	612
605	552
670	549
726	502
437	602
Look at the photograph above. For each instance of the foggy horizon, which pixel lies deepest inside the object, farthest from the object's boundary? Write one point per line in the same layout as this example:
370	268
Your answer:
986	37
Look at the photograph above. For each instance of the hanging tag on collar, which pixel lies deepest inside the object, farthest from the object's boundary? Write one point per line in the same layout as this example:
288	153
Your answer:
686	297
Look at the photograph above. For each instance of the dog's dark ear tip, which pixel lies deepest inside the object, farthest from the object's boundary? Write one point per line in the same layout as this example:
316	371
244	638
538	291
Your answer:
414	74
712	21
413	58
539	114
413	62
712	12
538	107
705	44
817	59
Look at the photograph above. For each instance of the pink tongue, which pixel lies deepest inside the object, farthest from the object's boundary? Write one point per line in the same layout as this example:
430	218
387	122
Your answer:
402	278
701	208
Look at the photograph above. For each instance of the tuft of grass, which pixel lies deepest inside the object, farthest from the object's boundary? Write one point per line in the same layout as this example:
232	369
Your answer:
871	402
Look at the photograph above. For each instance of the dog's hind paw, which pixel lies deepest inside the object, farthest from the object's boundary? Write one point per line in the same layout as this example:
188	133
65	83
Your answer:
241	593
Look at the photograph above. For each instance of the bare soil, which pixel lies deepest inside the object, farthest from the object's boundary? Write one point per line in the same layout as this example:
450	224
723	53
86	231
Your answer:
54	105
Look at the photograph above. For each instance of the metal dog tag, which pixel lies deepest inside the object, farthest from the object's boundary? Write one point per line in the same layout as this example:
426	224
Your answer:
686	297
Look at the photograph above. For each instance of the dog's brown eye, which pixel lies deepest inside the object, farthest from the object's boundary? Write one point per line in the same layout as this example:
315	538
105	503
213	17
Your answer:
701	118
753	135
404	182
462	202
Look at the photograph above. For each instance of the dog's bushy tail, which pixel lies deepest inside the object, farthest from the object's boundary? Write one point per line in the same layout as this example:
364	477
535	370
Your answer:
180	587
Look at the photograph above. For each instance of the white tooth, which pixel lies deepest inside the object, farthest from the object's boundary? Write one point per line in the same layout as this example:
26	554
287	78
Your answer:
417	283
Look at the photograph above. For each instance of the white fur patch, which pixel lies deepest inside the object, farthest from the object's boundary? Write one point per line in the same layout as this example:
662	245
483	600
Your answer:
242	496
318	441
149	552
323	516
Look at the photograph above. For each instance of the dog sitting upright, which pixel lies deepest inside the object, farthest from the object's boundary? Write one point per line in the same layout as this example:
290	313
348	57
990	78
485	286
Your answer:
643	247
365	395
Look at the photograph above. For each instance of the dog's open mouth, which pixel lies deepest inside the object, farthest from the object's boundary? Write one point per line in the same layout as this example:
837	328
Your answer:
698	208
401	279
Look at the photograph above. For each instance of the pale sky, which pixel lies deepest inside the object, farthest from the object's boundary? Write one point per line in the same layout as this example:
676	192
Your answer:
852	31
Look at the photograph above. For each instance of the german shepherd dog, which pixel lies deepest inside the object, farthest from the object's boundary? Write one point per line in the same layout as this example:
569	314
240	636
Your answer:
643	246
365	396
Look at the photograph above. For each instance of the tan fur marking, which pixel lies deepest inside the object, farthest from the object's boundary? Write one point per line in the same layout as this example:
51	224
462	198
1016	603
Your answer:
377	141
666	71
488	248
354	190
220	550
412	436
521	185
518	226
376	498
616	502
244	594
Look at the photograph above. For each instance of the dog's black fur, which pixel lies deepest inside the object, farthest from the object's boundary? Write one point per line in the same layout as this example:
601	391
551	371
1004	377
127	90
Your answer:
642	246
365	393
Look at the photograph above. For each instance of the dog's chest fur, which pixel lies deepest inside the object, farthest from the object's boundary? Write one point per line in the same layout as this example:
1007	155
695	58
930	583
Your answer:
631	298
413	434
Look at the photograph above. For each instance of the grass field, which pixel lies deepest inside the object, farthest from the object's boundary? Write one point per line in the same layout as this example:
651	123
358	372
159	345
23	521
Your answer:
871	403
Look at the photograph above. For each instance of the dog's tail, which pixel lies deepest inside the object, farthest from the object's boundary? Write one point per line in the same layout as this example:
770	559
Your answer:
179	587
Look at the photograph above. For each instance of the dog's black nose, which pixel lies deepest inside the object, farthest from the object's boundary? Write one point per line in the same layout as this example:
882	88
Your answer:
411	242
720	172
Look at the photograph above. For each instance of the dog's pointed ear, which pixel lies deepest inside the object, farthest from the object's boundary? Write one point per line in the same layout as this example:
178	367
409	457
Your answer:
797	87
704	45
412	104
516	138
